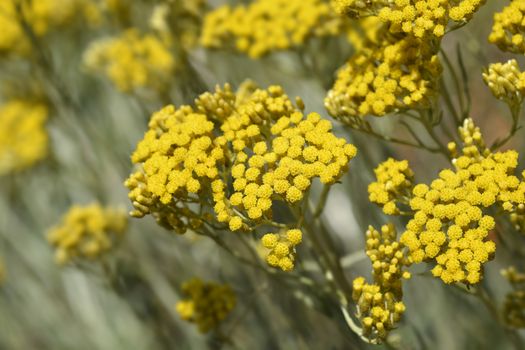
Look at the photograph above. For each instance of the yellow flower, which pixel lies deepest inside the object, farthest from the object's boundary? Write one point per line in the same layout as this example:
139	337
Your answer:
207	303
42	16
386	74
379	305
394	181
236	155
508	30
420	18
132	61
86	232
451	221
248	150
282	248
266	26
506	81
23	138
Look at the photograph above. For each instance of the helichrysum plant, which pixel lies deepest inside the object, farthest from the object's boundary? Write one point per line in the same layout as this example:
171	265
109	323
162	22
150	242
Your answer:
132	61
266	26
227	162
401	250
206	304
87	233
23	136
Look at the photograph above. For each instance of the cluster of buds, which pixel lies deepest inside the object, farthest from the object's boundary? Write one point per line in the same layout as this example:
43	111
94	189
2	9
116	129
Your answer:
506	81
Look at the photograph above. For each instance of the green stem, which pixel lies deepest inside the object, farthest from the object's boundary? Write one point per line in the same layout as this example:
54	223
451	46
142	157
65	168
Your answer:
515	109
457	84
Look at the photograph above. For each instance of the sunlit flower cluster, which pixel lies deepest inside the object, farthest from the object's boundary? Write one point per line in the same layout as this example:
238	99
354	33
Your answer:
87	232
132	61
421	18
514	302
235	155
508	29
388	73
379	305
265	26
506	81
207	303
282	248
450	223
23	137
363	87
398	68
394	182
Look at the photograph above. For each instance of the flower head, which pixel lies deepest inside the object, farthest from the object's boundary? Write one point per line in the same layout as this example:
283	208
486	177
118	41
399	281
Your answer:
207	303
86	232
23	137
132	61
508	29
506	81
379	305
265	26
237	155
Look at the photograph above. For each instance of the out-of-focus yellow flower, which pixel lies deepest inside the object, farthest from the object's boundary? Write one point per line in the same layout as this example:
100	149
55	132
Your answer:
508	29
207	305
266	26
132	61
379	305
23	137
87	232
40	15
514	303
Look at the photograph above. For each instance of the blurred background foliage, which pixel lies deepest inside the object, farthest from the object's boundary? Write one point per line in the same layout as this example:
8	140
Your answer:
93	128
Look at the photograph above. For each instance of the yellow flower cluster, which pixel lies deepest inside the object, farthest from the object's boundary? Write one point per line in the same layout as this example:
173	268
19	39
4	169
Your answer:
506	81
132	61
247	150
41	16
508	29
398	67
449	225
426	18
379	305
265	26
278	152
282	248
514	303
394	184
387	73
421	18
23	138
86	232
207	305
